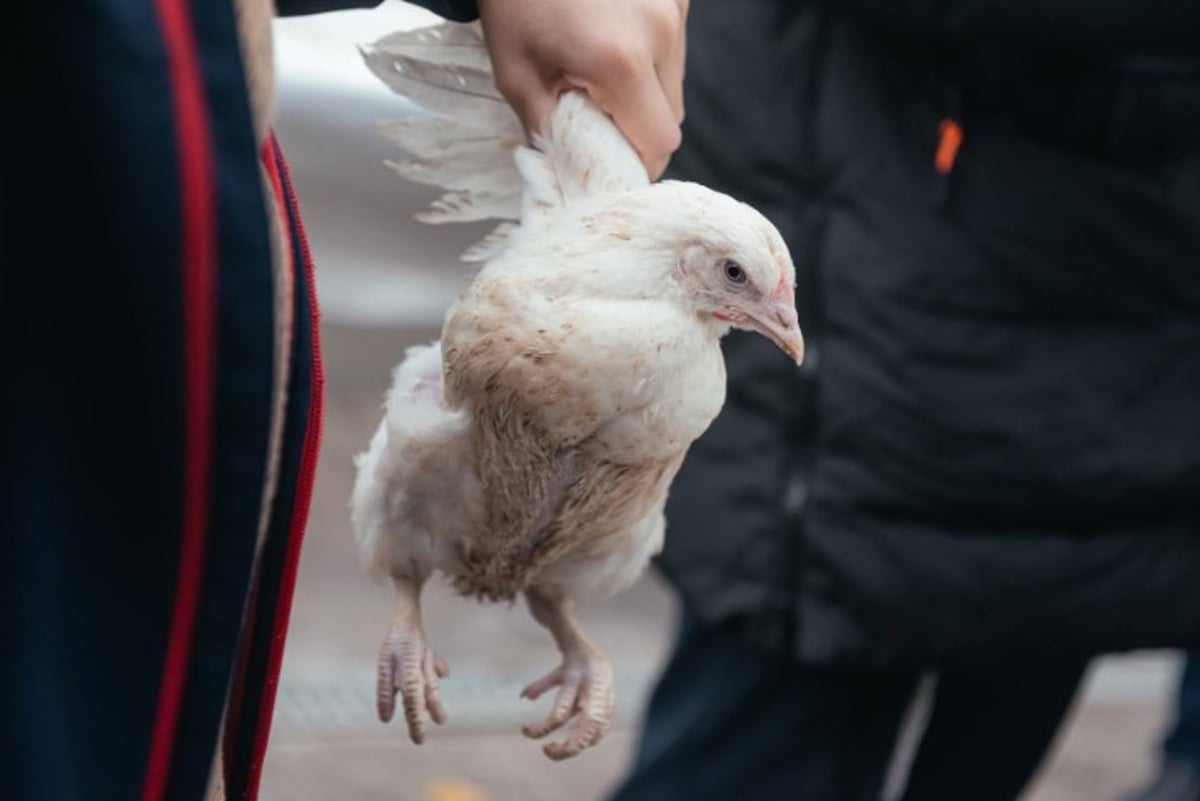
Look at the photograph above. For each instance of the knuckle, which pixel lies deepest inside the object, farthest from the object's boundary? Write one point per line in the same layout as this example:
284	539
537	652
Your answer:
617	58
664	19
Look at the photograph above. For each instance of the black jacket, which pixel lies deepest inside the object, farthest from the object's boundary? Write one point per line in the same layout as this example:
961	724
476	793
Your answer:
994	445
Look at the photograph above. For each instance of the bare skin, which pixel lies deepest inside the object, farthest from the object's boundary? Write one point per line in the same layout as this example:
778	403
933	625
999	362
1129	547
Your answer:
584	679
628	55
408	666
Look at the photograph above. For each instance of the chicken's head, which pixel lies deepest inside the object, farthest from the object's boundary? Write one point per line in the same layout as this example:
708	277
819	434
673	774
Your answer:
717	257
734	266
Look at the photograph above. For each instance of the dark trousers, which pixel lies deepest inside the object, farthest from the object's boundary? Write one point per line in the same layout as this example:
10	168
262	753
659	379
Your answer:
1184	740
145	573
726	723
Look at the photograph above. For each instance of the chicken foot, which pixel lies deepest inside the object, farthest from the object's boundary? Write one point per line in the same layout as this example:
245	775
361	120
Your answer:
584	679
408	666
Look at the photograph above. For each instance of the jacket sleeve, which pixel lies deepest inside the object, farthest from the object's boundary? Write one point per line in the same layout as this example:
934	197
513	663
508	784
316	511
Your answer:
457	10
1121	23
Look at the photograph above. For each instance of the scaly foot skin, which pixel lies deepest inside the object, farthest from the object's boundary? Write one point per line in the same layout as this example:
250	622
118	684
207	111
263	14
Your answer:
586	692
408	666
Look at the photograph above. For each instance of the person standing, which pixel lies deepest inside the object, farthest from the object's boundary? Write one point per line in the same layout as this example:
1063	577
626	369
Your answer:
987	469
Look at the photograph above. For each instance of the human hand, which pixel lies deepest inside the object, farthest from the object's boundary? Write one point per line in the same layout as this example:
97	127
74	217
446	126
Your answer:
628	55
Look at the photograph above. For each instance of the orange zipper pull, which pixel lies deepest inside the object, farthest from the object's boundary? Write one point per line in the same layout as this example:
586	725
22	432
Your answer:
950	139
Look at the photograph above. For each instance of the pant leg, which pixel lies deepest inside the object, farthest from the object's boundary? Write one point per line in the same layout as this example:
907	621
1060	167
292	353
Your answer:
726	723
988	732
137	334
1183	742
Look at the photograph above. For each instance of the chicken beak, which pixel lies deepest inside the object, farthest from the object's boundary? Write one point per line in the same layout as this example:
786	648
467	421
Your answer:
776	320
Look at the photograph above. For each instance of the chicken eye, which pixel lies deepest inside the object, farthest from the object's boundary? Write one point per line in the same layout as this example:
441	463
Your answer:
734	273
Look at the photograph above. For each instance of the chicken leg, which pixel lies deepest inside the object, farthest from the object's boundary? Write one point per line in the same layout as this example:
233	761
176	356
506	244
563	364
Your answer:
584	679
408	665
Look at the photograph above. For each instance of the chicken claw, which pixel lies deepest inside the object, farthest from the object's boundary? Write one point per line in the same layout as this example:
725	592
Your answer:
584	679
585	682
408	666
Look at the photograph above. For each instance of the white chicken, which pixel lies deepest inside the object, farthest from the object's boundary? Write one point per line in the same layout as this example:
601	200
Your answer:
530	451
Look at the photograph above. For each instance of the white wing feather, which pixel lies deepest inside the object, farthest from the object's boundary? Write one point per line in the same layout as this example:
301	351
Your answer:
468	143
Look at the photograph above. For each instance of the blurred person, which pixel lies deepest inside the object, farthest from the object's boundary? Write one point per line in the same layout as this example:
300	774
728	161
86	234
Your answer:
162	376
1178	776
988	470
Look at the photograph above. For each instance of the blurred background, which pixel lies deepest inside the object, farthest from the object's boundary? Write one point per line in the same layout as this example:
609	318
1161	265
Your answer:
385	282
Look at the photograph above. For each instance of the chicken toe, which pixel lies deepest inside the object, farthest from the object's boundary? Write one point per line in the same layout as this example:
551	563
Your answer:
585	692
584	681
410	668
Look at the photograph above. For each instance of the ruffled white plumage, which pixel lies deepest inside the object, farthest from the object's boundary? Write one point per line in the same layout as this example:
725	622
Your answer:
472	144
531	449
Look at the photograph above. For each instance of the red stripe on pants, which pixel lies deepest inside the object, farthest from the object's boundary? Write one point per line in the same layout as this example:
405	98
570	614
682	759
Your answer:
198	235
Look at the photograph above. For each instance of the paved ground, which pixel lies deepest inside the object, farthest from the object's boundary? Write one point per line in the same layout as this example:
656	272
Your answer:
385	281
